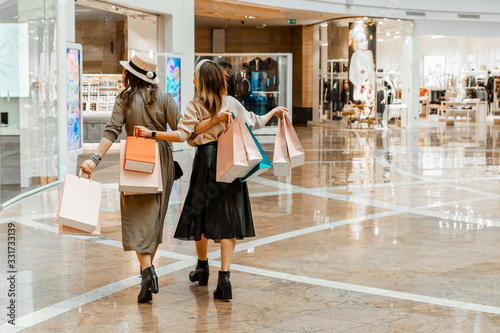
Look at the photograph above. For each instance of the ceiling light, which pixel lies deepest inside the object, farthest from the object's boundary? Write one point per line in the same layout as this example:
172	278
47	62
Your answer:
324	44
251	17
365	18
385	18
399	20
389	34
324	24
397	32
380	22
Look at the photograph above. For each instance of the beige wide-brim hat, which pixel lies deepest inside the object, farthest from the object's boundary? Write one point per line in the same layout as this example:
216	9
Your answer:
142	67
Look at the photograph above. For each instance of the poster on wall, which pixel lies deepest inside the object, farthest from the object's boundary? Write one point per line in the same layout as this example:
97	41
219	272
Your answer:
174	79
74	96
362	87
14	61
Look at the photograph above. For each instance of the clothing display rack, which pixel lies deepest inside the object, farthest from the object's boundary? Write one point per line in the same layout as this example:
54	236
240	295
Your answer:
334	92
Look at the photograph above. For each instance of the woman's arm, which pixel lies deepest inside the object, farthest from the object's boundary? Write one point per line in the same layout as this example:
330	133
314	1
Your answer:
278	111
207	123
89	165
165	136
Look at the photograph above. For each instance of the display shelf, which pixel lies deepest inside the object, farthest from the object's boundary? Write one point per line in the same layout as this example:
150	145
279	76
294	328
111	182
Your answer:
99	91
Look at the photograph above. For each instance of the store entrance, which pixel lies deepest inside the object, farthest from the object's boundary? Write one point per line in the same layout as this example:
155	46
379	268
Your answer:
108	34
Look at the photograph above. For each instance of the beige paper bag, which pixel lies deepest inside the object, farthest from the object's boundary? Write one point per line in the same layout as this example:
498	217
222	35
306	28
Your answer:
281	161
79	203
134	182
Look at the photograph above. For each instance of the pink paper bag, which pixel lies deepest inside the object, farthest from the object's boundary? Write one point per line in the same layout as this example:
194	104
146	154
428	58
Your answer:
135	182
295	151
231	156
281	161
79	203
72	231
254	156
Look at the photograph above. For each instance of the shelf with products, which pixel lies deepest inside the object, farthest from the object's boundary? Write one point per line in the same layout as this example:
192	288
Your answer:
99	92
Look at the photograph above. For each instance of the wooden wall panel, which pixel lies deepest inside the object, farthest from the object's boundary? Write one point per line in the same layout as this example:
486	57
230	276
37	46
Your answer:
98	55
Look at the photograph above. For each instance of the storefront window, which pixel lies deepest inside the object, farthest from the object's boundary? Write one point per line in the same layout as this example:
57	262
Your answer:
28	97
259	81
359	67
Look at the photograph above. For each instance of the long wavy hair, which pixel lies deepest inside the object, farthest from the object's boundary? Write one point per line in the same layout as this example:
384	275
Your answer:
133	85
211	86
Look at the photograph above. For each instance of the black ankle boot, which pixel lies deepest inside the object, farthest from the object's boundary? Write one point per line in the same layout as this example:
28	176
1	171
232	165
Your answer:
200	273
223	290
149	284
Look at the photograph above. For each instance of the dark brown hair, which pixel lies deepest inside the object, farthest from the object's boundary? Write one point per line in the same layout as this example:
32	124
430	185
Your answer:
211	86
133	85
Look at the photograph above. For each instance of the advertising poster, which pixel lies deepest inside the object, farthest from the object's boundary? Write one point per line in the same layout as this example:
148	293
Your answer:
74	113
174	79
362	88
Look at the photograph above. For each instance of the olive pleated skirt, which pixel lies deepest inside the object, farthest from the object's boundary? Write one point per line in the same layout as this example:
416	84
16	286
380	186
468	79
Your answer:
215	210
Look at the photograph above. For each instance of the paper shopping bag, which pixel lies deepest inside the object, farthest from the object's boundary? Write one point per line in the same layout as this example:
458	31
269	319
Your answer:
281	161
140	154
254	157
231	156
134	182
72	231
263	165
79	203
295	151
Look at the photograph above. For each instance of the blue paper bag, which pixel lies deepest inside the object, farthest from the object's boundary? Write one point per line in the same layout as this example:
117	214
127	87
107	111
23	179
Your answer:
262	166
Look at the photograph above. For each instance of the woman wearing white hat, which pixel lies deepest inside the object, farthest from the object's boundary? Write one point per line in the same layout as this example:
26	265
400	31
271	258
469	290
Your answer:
142	216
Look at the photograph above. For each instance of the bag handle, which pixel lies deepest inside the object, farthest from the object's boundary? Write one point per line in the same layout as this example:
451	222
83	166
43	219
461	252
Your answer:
136	131
229	121
81	173
147	111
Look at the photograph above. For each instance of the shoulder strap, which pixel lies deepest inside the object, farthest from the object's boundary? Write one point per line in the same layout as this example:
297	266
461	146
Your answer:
147	111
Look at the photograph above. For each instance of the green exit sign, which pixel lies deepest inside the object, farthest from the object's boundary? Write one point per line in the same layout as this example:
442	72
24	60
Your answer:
292	21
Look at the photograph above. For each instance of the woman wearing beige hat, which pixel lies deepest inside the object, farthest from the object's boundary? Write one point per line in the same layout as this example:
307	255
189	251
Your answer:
142	216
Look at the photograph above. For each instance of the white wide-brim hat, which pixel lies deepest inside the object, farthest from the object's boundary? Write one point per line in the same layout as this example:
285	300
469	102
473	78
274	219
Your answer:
142	67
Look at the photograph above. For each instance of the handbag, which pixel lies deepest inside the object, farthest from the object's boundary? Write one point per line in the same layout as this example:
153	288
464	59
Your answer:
281	160
140	154
254	156
131	182
348	108
295	150
231	155
263	165
178	170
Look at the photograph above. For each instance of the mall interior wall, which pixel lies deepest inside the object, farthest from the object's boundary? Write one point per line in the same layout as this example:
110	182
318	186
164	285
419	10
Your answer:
176	36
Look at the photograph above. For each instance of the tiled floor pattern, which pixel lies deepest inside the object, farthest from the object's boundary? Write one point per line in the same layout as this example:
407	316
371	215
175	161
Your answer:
391	231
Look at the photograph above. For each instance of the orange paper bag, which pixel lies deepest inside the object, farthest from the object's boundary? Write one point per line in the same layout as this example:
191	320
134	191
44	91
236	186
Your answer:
295	151
281	162
79	204
134	182
231	156
140	154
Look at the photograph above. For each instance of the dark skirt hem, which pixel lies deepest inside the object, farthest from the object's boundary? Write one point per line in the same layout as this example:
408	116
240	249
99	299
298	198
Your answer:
213	209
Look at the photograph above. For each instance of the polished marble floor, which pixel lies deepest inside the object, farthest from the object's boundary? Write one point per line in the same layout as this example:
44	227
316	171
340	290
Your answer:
380	231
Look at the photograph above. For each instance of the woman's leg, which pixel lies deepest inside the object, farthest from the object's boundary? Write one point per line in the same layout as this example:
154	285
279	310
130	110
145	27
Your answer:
144	259
153	254
227	251
202	248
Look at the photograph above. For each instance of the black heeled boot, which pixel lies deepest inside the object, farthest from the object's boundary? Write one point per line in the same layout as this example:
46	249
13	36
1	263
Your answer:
200	273
223	290
149	284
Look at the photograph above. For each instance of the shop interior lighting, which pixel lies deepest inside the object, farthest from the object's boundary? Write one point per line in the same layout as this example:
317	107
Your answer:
380	22
389	34
399	20
397	32
365	18
324	44
324	24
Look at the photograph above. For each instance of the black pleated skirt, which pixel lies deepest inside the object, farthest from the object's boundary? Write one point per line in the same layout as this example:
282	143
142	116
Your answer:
215	210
